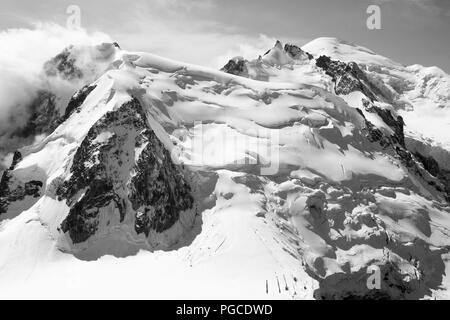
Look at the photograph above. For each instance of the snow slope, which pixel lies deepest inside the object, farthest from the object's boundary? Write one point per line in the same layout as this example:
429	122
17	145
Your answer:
297	191
421	93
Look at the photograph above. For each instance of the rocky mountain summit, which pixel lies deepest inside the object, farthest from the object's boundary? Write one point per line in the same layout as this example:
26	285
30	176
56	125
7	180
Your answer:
117	179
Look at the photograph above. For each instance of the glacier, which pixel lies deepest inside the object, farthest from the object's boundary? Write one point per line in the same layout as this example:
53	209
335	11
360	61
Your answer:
152	181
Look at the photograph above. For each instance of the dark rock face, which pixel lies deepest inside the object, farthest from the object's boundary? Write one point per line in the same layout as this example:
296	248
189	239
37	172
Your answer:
238	66
44	116
394	142
348	77
17	157
373	134
293	50
9	194
444	177
397	124
122	168
158	188
235	67
4	191
296	52
142	224
63	65
340	286
441	177
3	205
252	181
429	164
432	166
77	100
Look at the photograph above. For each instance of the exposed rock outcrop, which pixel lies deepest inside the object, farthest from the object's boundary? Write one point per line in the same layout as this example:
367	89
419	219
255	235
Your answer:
63	65
123	174
12	190
348	77
432	166
296	52
396	123
235	66
44	116
77	100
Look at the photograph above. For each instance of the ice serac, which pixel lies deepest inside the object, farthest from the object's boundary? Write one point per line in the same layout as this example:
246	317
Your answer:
120	174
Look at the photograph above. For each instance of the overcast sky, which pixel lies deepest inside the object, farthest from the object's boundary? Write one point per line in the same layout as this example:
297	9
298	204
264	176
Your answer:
208	32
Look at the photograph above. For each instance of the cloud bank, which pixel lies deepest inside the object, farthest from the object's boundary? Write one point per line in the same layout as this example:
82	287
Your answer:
187	31
22	56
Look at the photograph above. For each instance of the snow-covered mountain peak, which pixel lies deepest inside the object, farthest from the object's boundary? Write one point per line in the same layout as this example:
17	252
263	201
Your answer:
346	52
291	168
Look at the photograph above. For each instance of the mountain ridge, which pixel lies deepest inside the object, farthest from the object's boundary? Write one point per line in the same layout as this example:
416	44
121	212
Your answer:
163	165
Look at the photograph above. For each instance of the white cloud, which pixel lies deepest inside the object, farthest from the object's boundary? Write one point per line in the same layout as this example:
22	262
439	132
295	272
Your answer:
186	32
249	48
22	55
